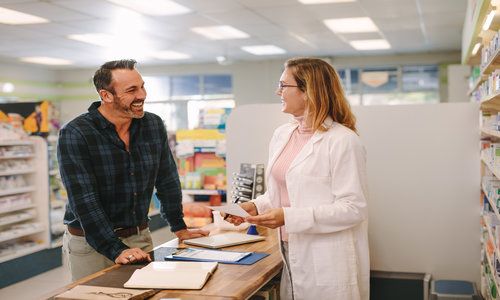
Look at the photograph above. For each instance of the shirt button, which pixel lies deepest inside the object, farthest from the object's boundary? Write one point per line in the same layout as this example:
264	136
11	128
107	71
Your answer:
135	194
131	173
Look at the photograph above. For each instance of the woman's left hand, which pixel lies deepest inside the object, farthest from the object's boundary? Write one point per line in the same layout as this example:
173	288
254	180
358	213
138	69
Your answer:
272	218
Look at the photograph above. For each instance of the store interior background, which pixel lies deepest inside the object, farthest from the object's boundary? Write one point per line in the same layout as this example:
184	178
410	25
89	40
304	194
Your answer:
419	222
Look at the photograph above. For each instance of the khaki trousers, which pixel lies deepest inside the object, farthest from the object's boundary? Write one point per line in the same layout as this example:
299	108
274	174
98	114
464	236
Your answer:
83	260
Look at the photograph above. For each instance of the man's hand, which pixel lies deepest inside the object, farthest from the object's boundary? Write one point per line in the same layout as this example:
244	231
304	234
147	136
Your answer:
185	234
272	218
133	255
249	207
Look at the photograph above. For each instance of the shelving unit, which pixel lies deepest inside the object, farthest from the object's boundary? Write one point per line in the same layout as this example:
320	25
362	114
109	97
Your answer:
57	195
484	90
24	227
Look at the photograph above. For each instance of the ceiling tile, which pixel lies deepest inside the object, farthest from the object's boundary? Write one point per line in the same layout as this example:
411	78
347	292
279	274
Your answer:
48	11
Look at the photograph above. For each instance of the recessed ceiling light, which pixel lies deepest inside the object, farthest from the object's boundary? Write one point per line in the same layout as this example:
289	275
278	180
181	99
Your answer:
323	1
263	49
223	32
99	39
350	25
13	17
46	60
153	7
170	55
370	44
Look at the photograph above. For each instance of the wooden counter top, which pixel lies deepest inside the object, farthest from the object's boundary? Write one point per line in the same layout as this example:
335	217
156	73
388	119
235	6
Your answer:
227	282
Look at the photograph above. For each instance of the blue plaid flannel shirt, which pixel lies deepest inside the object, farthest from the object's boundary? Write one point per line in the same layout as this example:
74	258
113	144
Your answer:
109	187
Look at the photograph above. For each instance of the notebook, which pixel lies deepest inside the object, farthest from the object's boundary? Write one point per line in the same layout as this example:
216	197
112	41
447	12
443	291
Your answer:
186	275
224	240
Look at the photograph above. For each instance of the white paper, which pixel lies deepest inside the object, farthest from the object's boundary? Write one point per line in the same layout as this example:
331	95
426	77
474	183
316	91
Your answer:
232	209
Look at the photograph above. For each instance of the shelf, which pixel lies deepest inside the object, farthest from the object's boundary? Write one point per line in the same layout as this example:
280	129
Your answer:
17	208
23	218
15	143
491	99
492	270
17	191
21	234
22	252
477	83
490	167
17	172
492	64
204	192
57	243
493	206
491	132
17	156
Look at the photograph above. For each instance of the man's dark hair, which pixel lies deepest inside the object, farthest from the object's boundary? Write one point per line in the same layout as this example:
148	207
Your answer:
102	77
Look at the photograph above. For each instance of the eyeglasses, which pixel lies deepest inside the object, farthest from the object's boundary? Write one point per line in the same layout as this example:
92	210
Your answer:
281	85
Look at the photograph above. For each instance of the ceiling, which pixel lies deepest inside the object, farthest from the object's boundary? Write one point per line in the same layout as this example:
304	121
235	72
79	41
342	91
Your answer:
410	26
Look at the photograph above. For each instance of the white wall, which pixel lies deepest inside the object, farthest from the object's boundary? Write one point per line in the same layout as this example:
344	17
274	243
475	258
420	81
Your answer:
458	83
31	83
253	81
423	169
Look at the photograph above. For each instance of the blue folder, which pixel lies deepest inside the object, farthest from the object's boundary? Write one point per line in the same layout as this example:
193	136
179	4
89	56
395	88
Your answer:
165	253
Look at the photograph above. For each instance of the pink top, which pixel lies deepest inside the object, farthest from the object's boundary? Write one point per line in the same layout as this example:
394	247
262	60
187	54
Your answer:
298	139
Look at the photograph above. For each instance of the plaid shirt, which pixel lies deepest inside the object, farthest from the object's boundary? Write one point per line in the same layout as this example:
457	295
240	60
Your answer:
111	188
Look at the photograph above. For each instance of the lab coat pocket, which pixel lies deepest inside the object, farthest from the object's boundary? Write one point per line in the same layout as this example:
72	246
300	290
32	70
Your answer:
334	262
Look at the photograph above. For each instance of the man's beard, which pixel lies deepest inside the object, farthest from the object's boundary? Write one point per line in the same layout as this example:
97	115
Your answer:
129	110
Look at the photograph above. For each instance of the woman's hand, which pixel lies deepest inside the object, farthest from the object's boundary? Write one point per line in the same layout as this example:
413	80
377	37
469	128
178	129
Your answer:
272	218
249	207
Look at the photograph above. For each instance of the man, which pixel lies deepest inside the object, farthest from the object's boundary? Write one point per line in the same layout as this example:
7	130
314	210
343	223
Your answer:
110	159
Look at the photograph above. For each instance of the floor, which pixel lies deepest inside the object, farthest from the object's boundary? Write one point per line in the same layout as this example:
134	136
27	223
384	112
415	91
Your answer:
43	284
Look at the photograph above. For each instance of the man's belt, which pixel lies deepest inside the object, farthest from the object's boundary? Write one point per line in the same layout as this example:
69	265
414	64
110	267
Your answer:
120	232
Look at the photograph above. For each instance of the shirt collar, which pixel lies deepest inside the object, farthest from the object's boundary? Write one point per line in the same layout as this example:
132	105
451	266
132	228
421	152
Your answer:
98	118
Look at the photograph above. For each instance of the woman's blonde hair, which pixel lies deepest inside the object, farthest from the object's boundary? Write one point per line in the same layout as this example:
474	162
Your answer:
325	96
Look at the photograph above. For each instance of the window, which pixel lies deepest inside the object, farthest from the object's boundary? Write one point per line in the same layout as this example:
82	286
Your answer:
181	100
391	85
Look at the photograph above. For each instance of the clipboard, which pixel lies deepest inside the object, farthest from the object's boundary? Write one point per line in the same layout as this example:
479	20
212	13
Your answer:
224	240
166	253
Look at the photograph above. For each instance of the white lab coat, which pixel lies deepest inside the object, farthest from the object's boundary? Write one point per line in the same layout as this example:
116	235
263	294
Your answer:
327	218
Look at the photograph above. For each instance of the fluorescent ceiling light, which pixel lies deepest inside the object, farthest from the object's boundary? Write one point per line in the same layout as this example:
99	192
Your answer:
13	17
351	25
46	60
489	19
323	1
99	39
223	32
263	50
170	55
476	48
153	7
370	44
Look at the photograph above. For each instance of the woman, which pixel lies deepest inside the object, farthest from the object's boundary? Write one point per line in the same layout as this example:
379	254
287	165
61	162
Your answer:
316	188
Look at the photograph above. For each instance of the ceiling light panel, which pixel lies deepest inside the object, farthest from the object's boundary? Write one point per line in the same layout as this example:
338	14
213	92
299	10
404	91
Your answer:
324	1
380	44
153	7
99	39
223	32
263	50
351	25
14	17
46	60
